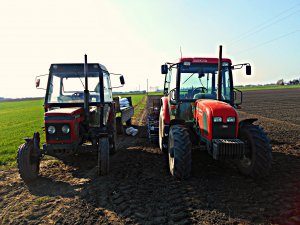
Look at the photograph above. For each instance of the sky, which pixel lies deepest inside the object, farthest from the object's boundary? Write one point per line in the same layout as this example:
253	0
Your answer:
135	37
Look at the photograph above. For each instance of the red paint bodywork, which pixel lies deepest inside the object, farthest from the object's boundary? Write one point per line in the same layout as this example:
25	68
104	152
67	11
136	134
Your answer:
58	115
204	60
212	108
165	109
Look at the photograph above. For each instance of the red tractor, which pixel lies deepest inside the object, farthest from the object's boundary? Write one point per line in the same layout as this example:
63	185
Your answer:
198	110
80	116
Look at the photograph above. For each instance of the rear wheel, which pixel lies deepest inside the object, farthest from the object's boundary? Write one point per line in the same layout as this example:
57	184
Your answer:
258	157
103	156
179	152
28	164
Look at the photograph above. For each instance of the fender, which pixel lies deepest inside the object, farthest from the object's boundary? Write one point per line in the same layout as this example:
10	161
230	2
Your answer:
165	110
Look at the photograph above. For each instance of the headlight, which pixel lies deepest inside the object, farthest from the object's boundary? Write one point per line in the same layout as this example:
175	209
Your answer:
217	119
65	129
230	119
51	129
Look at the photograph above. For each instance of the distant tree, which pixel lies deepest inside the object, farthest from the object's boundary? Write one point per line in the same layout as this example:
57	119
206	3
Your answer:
280	82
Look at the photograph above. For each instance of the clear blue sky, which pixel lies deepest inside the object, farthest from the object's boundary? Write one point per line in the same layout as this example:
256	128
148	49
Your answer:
135	37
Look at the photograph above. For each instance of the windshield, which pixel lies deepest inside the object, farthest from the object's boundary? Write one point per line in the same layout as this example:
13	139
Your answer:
69	87
199	81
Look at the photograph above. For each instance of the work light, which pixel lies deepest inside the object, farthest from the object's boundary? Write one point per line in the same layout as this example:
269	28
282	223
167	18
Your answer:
217	119
65	129
51	129
230	119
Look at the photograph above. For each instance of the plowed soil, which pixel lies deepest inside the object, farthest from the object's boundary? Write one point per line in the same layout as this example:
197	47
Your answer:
139	189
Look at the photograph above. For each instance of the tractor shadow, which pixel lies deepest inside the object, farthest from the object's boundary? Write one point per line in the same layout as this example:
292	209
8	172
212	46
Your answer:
45	186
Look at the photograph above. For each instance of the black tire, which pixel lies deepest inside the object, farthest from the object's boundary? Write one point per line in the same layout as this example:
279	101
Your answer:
103	156
113	139
180	152
258	158
120	128
161	138
28	165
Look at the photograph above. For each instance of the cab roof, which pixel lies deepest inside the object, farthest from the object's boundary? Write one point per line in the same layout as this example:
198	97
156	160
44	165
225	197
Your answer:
76	67
204	60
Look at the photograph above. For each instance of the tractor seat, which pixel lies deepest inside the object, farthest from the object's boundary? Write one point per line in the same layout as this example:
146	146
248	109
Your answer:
204	96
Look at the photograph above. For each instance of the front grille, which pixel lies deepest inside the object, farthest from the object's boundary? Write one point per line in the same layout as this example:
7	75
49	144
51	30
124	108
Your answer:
58	135
228	149
224	130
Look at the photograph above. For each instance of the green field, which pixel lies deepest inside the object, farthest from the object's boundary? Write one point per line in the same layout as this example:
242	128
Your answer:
20	119
136	98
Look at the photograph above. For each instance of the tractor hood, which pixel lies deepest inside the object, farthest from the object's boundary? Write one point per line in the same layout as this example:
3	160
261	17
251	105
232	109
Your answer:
216	108
206	110
61	112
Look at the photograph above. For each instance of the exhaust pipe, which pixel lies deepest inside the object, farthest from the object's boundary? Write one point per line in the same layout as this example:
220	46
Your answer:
219	94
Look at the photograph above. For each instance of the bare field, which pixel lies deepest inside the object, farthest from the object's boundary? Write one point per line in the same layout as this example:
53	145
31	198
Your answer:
139	189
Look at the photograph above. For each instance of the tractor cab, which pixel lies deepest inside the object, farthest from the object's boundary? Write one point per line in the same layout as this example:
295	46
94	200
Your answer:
196	78
191	79
66	85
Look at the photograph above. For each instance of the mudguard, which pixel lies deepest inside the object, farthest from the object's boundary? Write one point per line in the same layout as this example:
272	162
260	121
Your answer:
165	110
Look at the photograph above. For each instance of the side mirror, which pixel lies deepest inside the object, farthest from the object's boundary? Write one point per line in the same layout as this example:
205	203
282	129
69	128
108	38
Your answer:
164	69
248	70
37	83
122	81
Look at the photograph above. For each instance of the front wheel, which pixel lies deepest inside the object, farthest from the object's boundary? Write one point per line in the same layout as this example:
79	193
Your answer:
258	152
103	156
28	163
162	138
180	152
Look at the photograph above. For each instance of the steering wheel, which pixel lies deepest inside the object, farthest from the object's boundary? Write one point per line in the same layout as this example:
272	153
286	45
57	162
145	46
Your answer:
76	95
201	90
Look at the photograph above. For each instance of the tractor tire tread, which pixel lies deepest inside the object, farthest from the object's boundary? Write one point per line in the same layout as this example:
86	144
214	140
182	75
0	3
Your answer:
27	172
263	151
182	152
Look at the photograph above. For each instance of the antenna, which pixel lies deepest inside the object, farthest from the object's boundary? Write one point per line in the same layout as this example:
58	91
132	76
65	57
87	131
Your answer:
180	52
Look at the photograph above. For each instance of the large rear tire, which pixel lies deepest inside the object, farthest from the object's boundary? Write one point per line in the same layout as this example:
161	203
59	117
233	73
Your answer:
180	152
28	164
258	158
103	156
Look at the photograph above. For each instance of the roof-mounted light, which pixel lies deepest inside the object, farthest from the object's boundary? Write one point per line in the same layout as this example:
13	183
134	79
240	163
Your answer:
186	63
